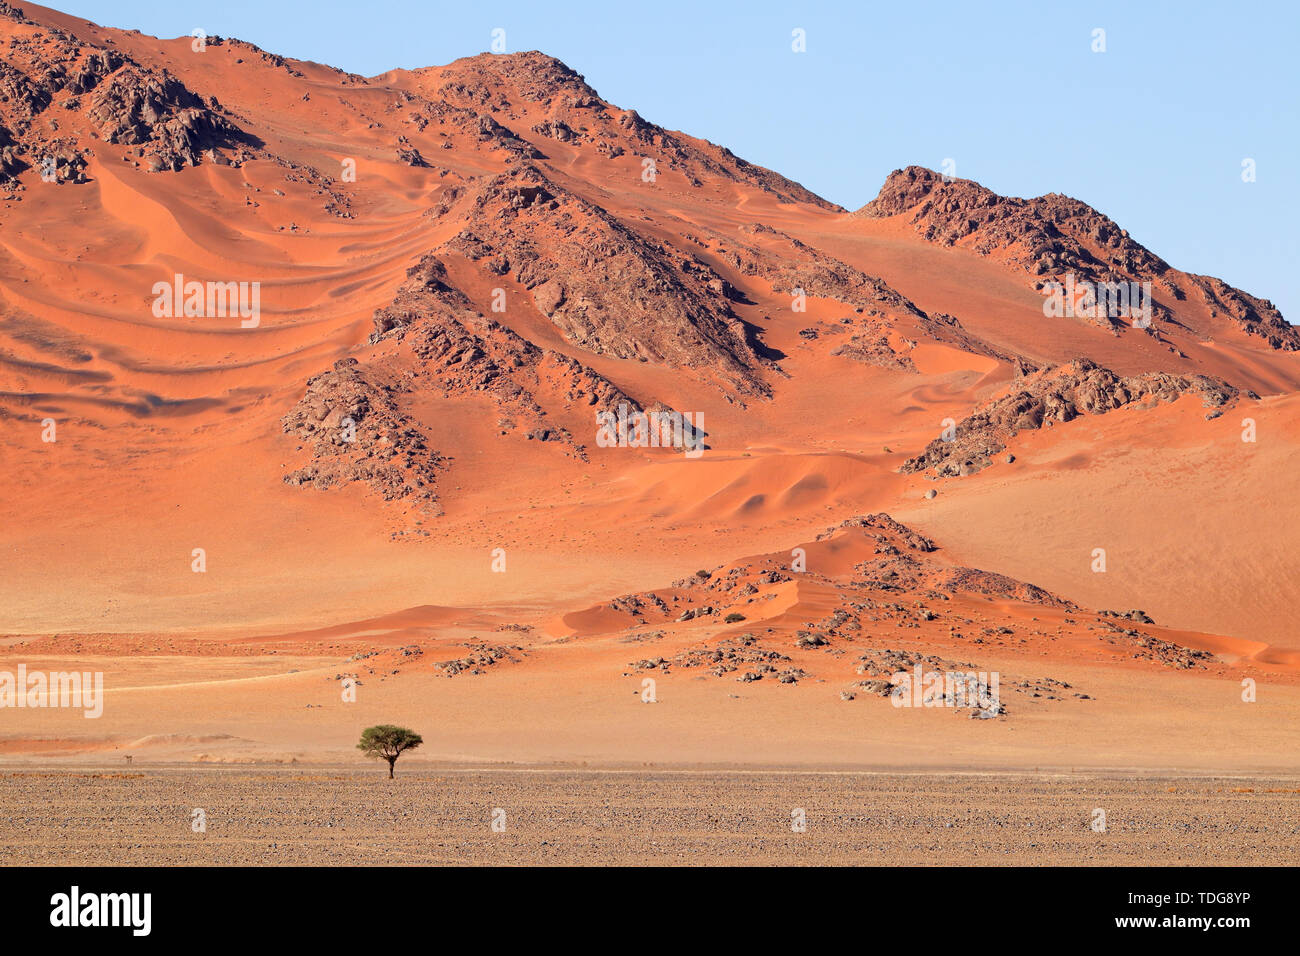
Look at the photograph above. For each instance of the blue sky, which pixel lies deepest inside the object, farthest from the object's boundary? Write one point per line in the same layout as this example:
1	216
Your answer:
1151	132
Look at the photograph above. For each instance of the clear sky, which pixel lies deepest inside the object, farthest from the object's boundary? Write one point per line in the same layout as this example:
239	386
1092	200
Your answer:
1152	132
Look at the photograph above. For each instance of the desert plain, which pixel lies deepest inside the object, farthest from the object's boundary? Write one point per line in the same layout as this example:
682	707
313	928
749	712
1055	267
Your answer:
379	494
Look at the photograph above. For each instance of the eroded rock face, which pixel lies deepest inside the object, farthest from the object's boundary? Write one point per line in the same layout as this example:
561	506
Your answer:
578	117
10	163
409	155
120	100
1055	394
793	264
887	531
1050	236
461	351
357	432
360	429
606	287
134	106
24	99
900	584
1253	315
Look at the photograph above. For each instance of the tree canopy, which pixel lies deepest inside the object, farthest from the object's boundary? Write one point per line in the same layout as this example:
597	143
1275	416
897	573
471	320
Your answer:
388	742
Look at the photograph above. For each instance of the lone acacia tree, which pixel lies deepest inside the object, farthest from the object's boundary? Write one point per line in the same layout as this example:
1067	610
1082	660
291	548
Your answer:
388	742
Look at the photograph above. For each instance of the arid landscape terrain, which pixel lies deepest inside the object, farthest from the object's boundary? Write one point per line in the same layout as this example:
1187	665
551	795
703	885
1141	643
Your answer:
333	816
326	400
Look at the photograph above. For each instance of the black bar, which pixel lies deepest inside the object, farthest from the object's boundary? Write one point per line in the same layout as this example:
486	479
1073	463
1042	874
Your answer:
381	905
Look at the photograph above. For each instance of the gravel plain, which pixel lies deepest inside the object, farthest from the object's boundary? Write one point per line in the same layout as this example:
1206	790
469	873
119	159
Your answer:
267	817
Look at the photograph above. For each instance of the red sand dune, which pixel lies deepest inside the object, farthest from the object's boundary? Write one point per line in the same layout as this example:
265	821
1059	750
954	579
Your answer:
506	181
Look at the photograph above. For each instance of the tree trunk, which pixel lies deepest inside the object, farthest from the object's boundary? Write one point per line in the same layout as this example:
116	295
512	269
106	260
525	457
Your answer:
391	761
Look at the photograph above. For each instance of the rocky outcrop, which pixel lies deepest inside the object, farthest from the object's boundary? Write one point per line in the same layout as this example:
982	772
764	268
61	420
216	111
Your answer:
788	263
492	84
356	431
886	530
460	351
607	288
10	163
138	107
1054	395
1050	236
116	100
1047	235
1255	316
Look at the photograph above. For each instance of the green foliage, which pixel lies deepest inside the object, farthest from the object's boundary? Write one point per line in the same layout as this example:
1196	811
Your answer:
388	742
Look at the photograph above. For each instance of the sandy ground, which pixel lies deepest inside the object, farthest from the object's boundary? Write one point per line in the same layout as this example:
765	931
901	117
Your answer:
171	439
333	816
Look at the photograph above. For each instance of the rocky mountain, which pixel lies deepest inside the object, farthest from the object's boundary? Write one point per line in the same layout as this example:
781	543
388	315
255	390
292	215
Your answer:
403	299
